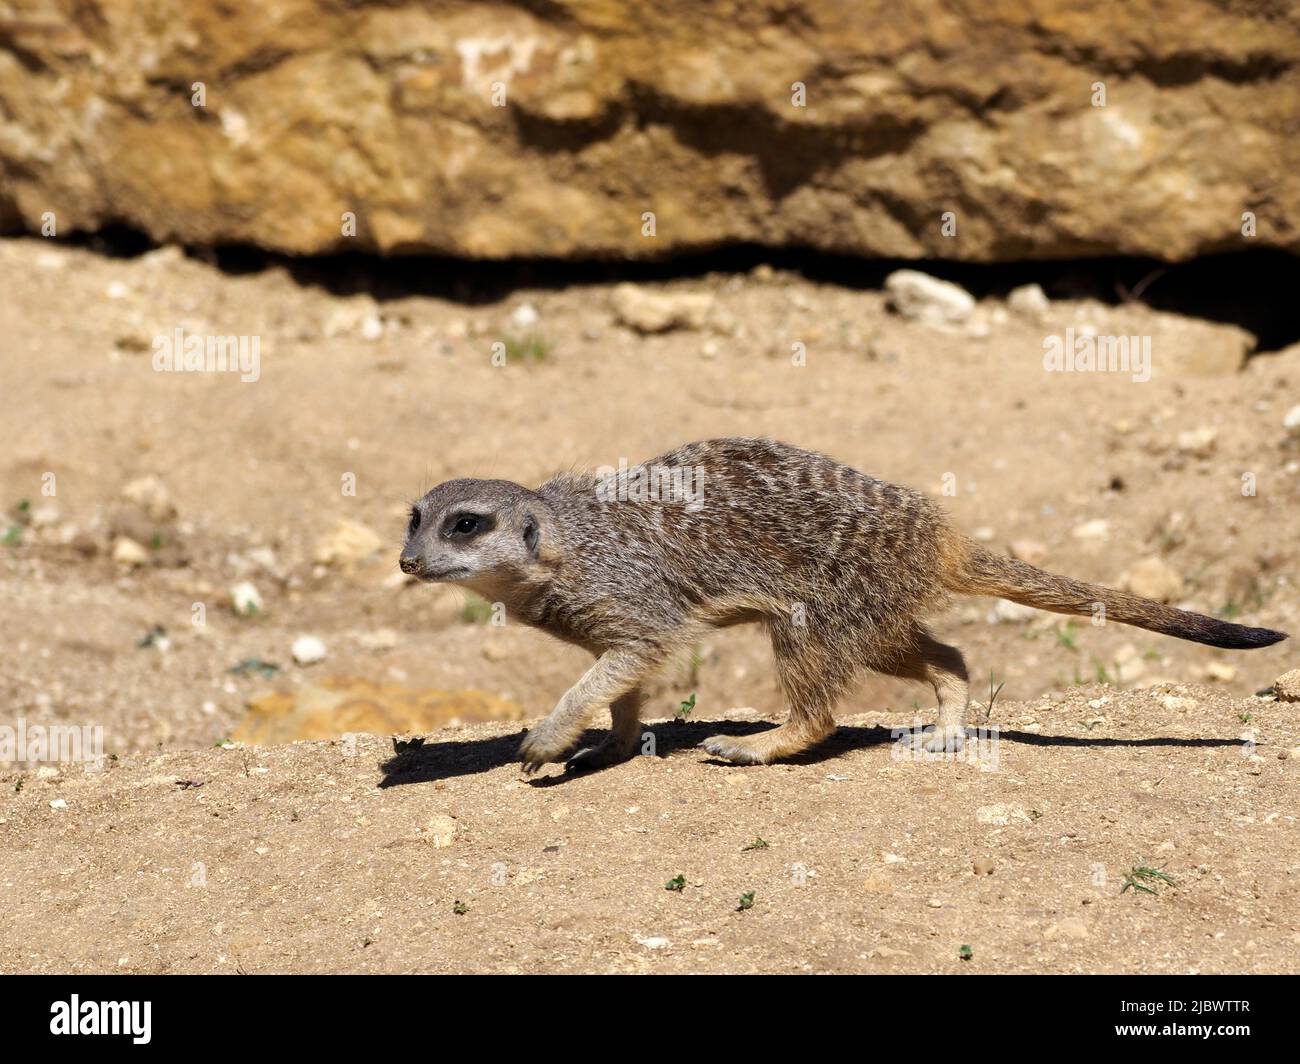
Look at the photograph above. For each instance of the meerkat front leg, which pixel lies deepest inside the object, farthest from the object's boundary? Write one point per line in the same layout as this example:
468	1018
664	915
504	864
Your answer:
616	673
621	742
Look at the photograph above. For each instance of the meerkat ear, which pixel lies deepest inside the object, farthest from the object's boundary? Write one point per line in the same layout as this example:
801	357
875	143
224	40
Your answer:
531	534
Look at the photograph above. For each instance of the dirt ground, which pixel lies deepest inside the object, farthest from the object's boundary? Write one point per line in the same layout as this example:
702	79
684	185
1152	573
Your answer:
322	857
304	862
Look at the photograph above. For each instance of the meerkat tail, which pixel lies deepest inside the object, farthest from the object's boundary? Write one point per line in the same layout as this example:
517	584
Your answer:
972	570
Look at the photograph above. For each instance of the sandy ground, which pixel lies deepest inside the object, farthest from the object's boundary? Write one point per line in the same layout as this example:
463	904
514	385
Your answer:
320	857
398	394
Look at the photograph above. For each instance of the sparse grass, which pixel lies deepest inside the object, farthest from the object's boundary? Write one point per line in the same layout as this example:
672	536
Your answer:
693	668
1067	635
528	348
266	668
993	695
153	637
13	533
1139	877
1245	718
476	610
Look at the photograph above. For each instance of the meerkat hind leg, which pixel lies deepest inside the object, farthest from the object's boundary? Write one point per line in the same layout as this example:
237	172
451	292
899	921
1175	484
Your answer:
944	668
621	742
812	682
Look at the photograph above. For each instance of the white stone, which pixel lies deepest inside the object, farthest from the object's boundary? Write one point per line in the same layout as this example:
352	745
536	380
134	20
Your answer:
245	599
919	297
307	650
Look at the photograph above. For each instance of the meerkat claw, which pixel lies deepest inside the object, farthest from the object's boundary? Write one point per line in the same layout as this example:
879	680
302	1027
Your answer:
537	750
729	749
947	740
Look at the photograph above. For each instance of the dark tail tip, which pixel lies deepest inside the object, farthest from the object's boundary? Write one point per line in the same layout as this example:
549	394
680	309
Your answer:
1238	636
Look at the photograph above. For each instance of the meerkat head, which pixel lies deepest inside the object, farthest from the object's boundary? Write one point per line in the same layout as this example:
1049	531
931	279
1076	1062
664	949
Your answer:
473	532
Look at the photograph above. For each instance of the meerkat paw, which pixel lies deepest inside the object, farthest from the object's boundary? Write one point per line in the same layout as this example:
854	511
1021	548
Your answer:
948	739
736	749
543	744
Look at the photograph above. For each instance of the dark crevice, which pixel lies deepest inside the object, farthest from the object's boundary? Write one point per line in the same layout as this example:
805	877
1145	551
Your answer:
1255	290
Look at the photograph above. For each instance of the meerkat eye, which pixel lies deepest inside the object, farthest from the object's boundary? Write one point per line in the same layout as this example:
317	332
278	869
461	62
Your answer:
464	526
415	521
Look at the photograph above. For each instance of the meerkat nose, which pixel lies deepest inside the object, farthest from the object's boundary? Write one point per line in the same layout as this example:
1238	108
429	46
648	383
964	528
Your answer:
410	564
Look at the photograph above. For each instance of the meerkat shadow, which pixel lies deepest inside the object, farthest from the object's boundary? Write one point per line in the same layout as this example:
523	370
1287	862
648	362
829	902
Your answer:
1037	739
430	762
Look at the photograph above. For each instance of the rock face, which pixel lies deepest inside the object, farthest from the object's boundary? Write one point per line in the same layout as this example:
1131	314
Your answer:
493	130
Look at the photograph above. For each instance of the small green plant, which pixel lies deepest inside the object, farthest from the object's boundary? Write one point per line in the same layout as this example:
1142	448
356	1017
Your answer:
1245	718
459	908
1102	675
759	843
1139	877
965	953
1230	609
153	637
1067	635
18	787
530	348
223	744
684	710
476	610
13	534
677	883
156	541
746	901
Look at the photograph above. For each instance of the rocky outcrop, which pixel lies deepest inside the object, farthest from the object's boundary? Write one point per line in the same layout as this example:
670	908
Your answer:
1047	128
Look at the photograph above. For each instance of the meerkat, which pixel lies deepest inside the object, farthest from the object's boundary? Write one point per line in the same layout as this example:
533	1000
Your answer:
637	564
